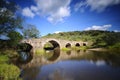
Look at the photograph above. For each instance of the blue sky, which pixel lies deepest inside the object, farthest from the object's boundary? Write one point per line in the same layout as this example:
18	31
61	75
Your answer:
53	16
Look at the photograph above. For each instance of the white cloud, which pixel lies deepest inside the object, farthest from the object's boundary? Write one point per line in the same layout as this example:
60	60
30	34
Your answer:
104	27
54	10
59	15
80	6
56	32
34	8
116	31
28	12
101	5
96	5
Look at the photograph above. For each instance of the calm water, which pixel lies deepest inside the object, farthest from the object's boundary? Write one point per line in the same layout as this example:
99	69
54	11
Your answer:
73	65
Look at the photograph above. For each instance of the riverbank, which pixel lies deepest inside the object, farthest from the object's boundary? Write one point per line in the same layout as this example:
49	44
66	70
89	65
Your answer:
8	71
98	49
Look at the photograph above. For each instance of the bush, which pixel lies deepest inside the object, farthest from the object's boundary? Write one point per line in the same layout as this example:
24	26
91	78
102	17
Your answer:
9	72
3	59
115	47
10	53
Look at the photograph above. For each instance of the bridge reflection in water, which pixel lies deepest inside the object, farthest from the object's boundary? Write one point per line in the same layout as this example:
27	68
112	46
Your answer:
73	65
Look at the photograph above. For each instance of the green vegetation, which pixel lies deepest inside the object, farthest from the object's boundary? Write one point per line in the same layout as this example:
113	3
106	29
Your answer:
3	59
66	49
115	47
95	38
9	53
48	45
39	52
8	71
80	48
10	22
30	31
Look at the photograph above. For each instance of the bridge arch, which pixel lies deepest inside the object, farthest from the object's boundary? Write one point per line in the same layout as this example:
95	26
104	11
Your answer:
84	44
25	47
68	45
77	44
52	45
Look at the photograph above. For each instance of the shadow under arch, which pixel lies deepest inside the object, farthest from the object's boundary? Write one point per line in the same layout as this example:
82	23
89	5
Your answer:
25	51
84	44
77	44
24	47
54	43
51	45
68	45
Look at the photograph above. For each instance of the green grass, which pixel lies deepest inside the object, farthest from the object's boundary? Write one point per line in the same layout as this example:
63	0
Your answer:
39	51
8	71
66	49
115	47
80	48
4	59
9	53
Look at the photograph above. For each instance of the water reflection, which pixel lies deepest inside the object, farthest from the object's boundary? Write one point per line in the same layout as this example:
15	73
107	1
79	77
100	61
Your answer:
94	65
78	51
68	52
25	53
24	57
53	54
30	73
109	58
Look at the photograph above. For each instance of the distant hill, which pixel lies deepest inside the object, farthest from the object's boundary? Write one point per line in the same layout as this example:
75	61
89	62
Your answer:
96	37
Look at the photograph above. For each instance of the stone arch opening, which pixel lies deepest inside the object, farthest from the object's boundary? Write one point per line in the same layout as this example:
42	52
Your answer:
84	44
77	45
25	52
52	44
68	45
26	47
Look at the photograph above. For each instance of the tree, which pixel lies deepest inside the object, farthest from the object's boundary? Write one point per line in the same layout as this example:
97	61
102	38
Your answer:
9	20
31	32
15	38
9	23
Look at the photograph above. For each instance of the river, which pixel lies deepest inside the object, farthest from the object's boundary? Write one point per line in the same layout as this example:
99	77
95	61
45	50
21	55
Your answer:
73	65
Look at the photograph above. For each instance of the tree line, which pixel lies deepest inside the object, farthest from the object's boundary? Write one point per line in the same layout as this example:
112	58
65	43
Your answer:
97	38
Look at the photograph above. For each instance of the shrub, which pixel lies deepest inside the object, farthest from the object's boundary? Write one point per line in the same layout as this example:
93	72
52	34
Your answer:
9	72
115	47
3	59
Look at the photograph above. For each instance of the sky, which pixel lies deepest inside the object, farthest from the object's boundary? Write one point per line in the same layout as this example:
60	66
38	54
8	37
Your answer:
54	16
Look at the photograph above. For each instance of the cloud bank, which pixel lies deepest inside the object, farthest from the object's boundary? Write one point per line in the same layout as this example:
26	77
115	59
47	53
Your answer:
27	12
103	28
54	10
96	5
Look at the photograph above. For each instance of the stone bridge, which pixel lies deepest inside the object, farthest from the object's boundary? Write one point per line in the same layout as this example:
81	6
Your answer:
39	43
